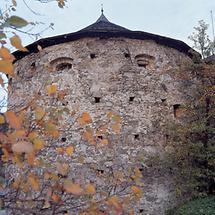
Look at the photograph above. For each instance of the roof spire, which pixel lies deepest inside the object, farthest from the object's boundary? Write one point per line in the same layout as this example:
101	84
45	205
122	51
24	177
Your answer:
102	8
102	17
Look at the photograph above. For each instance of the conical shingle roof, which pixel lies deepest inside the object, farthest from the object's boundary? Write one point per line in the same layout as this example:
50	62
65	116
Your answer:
103	28
103	25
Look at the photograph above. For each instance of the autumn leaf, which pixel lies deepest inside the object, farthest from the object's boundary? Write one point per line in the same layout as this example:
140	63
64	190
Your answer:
2	120
69	150
137	191
7	67
38	144
115	202
5	156
85	119
60	150
34	182
13	120
22	146
1	82
6	55
88	136
55	197
32	135
90	189
104	142
16	42
116	128
39	113
62	168
51	89
70	187
30	159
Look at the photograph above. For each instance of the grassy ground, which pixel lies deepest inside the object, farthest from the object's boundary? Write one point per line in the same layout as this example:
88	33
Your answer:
201	206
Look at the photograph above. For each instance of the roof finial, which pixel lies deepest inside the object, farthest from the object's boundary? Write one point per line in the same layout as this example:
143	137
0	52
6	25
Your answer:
102	8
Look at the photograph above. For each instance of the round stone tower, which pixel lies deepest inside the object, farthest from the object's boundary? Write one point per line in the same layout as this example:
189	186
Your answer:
117	89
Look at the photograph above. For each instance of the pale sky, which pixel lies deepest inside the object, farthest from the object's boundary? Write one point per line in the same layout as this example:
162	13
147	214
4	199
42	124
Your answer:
171	18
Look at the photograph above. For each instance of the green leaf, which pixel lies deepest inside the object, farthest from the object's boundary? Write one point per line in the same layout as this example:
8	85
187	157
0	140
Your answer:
2	35
16	22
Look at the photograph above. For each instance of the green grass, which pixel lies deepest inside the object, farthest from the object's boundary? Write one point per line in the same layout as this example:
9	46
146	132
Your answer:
201	206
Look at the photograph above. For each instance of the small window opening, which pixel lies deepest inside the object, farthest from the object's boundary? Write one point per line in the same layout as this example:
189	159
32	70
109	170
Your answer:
61	176
127	55
144	60
140	210
97	99
64	103
100	137
17	72
176	109
100	171
92	55
136	136
63	66
63	139
131	99
141	169
142	63
33	65
163	100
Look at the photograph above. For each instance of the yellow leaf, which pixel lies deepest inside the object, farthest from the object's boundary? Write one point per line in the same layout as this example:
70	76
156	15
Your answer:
62	168
6	55
51	89
39	113
22	146
116	128
17	161
69	150
33	135
1	82
90	189
38	144
7	67
70	187
85	119
114	201
88	136
5	156
30	159
104	142
13	120
56	198
137	191
2	120
16	42
34	182
60	150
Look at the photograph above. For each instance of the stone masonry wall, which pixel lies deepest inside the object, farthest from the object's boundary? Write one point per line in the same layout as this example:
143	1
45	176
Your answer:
101	76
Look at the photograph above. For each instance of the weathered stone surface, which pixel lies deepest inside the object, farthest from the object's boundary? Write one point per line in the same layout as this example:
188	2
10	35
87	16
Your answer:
143	97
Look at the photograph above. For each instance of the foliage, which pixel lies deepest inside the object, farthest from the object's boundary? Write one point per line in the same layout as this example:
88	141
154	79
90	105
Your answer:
200	206
42	168
193	137
201	39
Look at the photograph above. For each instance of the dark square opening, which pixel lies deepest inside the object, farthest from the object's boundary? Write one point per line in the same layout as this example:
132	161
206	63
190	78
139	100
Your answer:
92	55
97	99
131	99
